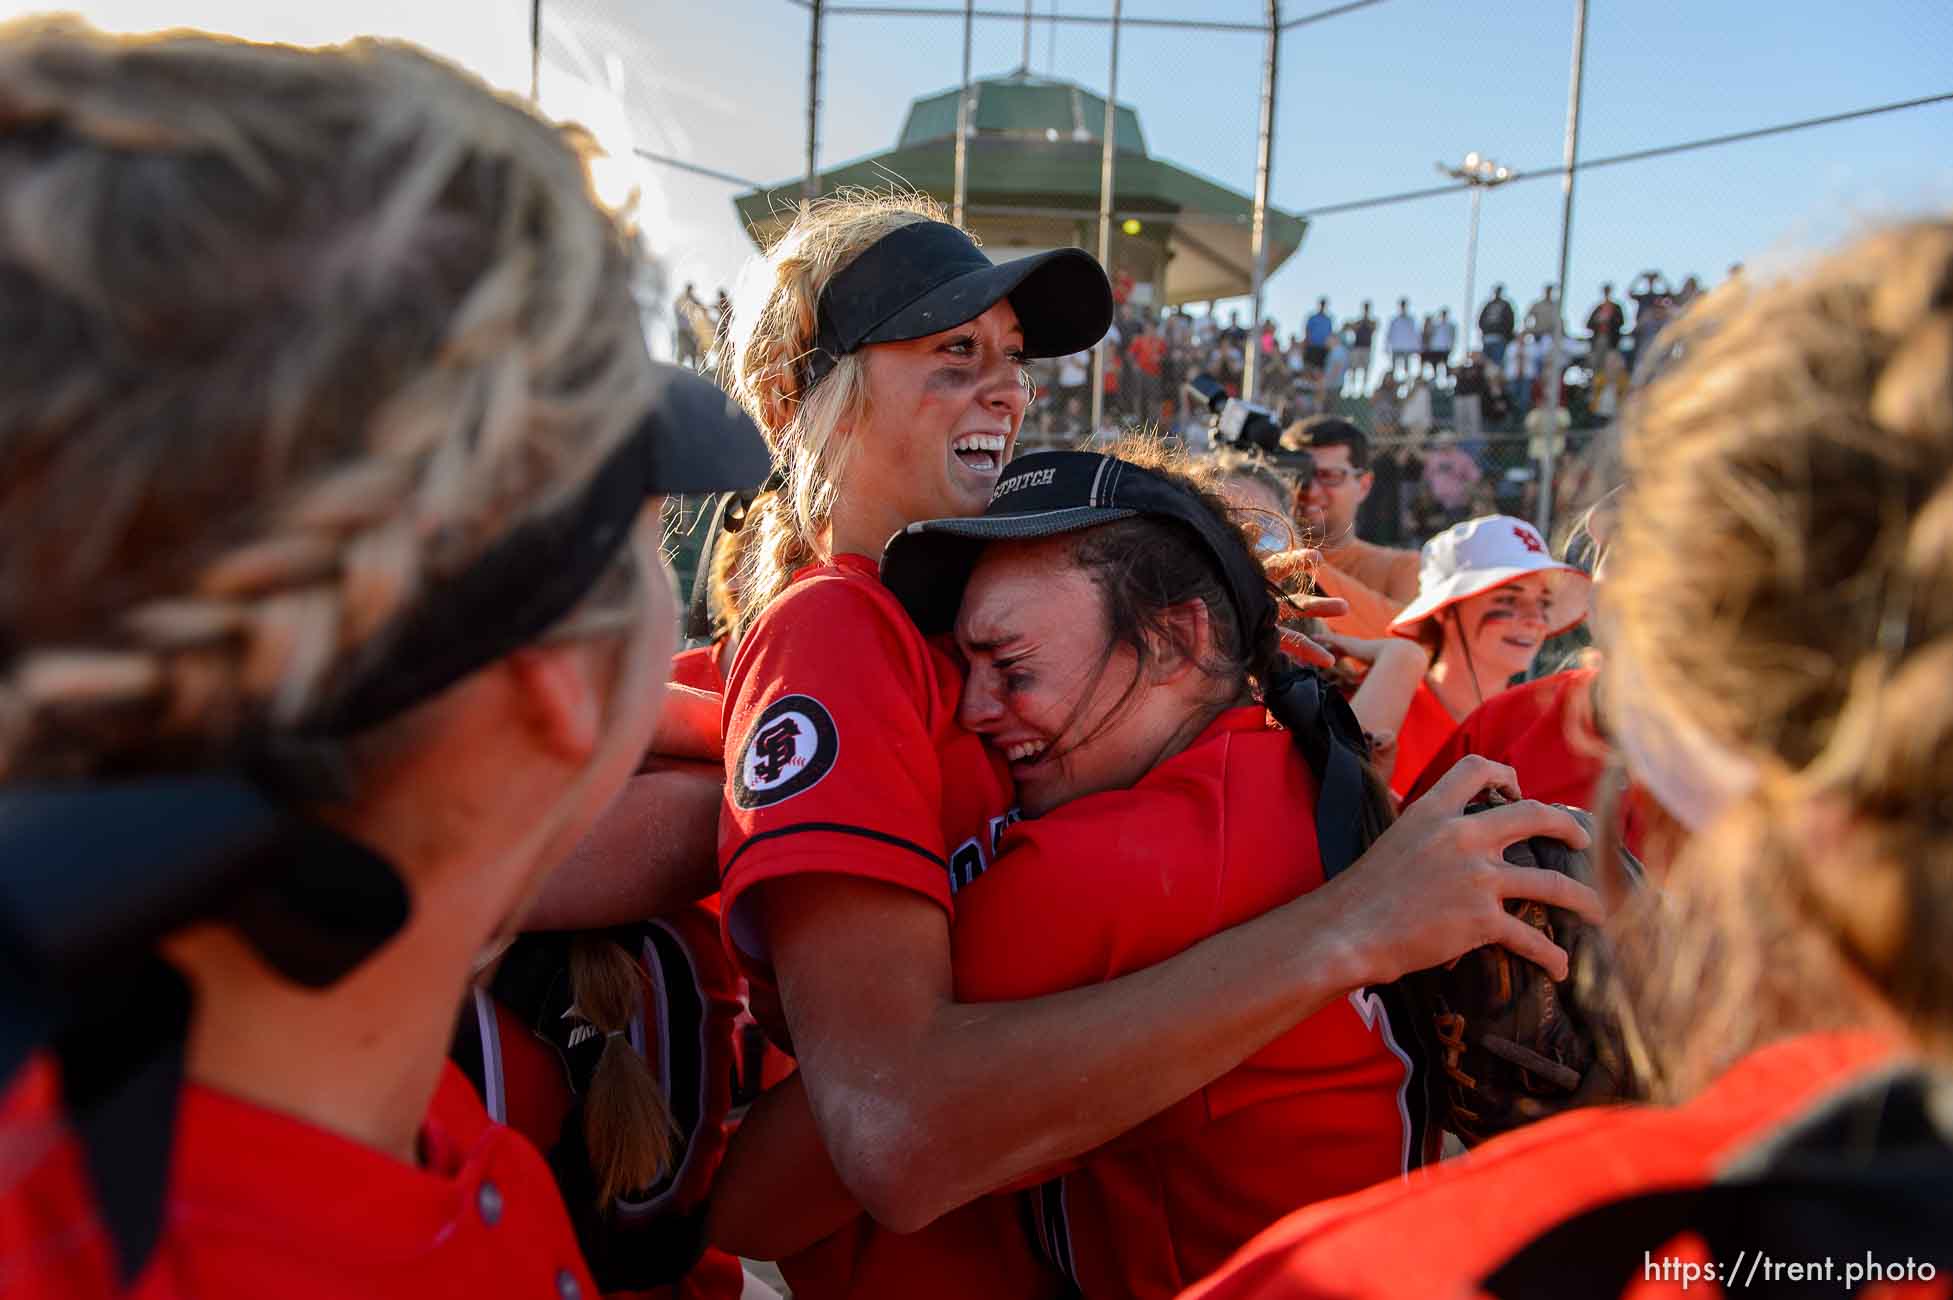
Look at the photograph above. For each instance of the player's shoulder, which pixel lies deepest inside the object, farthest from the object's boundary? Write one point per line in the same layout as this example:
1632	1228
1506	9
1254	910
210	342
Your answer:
701	668
836	614
1467	1215
1526	703
1398	558
1183	800
1393	560
846	588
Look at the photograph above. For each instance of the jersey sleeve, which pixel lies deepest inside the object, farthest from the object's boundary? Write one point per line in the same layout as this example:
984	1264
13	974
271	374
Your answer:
831	760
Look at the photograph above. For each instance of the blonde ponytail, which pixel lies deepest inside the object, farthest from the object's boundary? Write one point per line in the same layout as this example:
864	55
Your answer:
628	1127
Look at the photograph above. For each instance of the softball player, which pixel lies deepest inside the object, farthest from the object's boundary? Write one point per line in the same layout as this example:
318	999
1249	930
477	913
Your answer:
331	455
1488	597
1122	869
880	351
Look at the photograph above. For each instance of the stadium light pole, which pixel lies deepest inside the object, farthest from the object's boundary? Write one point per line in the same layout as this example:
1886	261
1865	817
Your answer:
963	121
810	184
1481	174
535	52
1105	209
1251	367
1555	353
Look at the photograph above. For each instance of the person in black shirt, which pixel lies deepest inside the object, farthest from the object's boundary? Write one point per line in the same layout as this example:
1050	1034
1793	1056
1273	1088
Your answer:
1359	334
1495	325
1605	322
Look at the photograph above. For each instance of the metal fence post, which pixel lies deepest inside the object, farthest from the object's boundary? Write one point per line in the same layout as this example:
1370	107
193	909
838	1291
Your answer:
1251	370
535	52
963	121
1105	209
810	184
1556	355
1465	320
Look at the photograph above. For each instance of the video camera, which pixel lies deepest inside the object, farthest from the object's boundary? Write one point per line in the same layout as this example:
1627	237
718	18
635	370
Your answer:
1243	426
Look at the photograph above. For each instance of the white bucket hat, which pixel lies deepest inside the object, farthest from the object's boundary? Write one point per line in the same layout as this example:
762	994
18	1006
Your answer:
1473	557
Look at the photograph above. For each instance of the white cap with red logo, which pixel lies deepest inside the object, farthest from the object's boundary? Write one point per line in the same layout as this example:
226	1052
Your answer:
1471	558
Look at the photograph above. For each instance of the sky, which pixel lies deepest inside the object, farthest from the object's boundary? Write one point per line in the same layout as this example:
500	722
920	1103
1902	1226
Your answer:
1367	103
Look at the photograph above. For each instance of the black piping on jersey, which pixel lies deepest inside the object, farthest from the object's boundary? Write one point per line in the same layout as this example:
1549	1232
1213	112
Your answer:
838	829
1051	1227
1421	1087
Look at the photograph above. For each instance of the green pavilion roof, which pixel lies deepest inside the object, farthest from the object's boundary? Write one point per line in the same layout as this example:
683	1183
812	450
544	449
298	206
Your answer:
1032	179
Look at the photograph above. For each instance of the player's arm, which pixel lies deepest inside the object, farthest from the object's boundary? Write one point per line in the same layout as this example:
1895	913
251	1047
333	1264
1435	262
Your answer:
688	726
653	849
776	1192
926	1103
1396	666
1370	610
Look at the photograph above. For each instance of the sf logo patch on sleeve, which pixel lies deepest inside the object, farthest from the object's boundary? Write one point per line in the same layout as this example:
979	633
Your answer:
788	750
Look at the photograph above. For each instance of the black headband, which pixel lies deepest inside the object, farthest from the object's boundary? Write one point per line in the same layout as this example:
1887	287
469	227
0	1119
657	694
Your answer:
1046	493
694	439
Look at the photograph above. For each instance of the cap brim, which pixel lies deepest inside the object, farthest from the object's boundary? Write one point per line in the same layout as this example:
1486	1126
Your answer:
697	439
1477	582
928	564
1062	299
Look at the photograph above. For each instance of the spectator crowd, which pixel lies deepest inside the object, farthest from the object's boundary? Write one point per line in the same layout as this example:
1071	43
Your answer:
1459	430
1334	364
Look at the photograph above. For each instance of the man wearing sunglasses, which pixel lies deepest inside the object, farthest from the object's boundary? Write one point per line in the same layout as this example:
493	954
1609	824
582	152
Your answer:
1377	581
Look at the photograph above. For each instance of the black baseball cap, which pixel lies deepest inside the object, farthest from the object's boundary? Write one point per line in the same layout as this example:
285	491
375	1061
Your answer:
928	564
694	438
929	276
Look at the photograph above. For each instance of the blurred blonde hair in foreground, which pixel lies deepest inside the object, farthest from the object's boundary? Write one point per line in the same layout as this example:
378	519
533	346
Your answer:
289	335
1778	614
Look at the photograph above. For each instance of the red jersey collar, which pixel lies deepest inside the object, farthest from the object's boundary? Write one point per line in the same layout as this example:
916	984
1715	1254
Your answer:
847	561
235	1168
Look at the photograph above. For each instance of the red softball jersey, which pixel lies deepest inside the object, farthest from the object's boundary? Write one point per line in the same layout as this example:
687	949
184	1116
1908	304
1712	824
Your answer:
1427	725
1113	882
1544	731
531	1056
262	1204
759	1064
844	757
702	667
1450	1225
979	1252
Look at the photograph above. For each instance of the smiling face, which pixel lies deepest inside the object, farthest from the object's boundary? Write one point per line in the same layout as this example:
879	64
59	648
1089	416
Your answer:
1034	630
1326	509
942	418
1504	627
